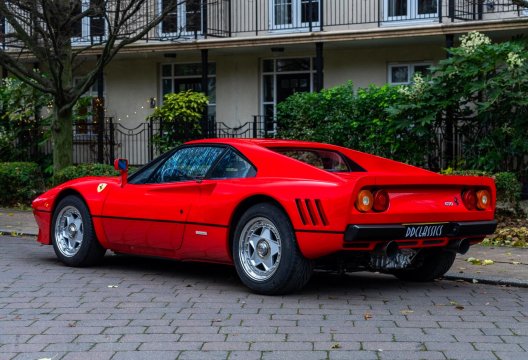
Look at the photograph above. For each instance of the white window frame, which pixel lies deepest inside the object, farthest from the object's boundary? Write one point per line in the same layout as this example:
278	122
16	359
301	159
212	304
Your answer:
412	13
275	73
181	16
296	23
86	26
174	76
410	70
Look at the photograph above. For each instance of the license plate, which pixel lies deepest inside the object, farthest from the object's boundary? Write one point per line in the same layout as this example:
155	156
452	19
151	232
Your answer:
425	231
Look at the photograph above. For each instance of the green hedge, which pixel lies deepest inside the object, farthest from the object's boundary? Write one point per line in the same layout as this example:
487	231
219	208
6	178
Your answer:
20	182
77	171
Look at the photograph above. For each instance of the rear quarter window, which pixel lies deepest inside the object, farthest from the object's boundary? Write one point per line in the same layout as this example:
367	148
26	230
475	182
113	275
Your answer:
328	160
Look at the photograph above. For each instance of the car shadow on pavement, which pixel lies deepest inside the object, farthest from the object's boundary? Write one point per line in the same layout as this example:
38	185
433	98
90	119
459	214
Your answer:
192	274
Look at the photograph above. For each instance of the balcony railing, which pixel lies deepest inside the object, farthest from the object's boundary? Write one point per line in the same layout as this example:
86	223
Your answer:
198	19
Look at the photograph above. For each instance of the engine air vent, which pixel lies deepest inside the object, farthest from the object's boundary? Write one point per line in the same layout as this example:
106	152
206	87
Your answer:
311	212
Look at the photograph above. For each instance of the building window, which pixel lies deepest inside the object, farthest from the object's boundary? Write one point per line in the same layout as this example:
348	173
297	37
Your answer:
294	14
7	33
89	28
405	10
282	78
184	19
3	30
182	77
402	74
86	124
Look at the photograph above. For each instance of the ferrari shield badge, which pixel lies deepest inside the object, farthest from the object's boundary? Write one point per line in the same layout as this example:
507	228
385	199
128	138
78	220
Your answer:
101	187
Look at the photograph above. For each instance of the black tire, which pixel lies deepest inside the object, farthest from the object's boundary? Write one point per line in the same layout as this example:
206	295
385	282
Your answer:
273	243
72	234
433	265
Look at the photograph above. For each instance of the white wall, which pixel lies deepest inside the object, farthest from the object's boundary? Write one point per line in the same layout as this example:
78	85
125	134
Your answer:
129	86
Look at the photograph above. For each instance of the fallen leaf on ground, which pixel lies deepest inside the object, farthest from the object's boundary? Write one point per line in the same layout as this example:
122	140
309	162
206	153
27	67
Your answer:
335	346
476	261
367	316
516	262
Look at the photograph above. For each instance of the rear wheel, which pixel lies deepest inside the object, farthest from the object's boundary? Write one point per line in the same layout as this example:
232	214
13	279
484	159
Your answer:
73	235
266	255
433	265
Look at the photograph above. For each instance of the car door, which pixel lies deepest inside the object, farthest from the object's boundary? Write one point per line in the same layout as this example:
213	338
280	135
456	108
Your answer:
148	214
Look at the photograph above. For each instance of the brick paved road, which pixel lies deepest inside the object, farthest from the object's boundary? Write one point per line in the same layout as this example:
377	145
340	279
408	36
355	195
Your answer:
134	308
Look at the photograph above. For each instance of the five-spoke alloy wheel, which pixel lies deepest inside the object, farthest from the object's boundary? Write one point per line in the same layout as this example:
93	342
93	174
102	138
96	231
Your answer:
73	236
266	255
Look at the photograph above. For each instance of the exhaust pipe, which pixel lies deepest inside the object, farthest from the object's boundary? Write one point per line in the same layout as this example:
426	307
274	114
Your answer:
461	246
391	249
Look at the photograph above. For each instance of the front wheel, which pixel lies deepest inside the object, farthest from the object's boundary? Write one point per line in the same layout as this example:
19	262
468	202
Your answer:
73	235
267	258
433	265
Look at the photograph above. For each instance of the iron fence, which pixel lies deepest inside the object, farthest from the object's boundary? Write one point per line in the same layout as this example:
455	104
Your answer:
93	143
261	127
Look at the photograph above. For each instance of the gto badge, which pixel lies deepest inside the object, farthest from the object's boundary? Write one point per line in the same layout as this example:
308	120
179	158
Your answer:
101	187
452	203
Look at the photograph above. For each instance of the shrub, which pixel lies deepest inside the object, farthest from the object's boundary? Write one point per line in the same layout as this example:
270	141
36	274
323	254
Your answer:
322	116
508	189
481	87
77	171
357	120
21	182
180	117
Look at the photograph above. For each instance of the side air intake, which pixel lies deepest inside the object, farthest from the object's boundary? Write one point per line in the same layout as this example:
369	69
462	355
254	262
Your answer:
311	212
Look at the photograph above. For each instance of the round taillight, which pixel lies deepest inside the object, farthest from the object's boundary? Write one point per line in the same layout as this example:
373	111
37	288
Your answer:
381	200
483	199
469	198
364	201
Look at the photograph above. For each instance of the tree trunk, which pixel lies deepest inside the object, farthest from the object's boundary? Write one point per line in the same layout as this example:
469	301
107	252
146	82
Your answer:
62	137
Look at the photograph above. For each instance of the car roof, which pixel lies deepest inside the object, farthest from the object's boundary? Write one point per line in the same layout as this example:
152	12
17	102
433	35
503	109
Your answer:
267	143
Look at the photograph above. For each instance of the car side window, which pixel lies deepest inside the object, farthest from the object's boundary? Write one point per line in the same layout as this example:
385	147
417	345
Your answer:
187	163
232	166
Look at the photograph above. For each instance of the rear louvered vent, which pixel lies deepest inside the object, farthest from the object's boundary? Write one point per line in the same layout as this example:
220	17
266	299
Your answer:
311	212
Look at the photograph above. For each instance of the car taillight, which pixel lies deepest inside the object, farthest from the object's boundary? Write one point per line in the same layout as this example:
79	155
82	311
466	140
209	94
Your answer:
476	199
364	201
381	200
483	199
469	198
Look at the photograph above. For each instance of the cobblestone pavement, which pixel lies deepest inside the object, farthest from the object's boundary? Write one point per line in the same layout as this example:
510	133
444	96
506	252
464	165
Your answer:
136	308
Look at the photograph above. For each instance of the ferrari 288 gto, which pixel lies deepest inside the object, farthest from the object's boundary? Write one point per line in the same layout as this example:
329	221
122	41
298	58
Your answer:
274	209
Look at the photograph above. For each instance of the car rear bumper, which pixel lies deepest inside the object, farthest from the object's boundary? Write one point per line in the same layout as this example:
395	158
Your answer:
467	229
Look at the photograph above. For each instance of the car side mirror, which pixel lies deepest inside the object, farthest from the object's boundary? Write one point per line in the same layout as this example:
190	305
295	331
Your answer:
122	166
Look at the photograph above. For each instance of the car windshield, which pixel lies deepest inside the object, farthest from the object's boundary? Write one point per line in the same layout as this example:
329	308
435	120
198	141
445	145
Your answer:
323	159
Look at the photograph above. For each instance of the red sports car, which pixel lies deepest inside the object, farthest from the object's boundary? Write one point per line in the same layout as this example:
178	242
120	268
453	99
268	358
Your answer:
274	208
